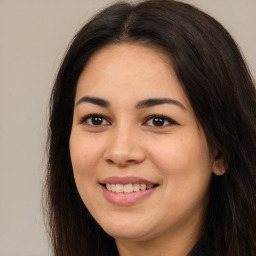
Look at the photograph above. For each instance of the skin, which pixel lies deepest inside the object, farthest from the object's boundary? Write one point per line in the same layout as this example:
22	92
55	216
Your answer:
174	155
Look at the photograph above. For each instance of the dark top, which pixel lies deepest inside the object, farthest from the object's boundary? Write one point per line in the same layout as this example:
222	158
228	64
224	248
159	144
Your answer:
202	248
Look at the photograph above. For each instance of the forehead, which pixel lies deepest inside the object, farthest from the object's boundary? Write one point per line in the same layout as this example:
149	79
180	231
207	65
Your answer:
123	48
128	58
130	70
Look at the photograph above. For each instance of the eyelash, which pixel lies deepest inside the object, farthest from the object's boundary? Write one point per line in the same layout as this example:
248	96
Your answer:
86	118
162	118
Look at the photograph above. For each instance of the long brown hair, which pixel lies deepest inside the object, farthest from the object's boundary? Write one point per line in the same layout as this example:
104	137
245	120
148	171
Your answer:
220	89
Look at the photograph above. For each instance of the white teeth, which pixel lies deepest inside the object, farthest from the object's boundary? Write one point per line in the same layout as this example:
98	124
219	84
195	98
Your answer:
136	187
108	186
127	188
119	188
113	187
143	186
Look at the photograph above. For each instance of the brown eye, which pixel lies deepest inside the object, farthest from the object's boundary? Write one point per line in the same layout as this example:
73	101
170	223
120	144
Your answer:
159	121
95	120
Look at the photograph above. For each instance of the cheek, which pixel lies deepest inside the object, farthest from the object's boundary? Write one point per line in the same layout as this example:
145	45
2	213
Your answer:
85	156
183	152
184	162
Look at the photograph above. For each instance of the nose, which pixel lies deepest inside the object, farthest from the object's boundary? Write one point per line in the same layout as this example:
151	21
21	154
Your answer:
124	148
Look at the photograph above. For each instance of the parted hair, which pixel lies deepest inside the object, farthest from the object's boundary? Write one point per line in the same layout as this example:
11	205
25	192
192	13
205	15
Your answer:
216	80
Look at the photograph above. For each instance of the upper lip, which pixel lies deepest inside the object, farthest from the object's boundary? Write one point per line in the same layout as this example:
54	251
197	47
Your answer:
126	180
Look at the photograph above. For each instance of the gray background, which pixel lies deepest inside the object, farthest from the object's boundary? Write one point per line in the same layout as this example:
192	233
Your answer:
34	37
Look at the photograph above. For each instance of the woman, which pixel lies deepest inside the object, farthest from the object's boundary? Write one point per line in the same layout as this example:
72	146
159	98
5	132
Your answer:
152	137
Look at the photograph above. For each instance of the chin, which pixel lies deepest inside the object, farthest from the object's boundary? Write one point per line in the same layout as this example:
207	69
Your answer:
128	234
126	231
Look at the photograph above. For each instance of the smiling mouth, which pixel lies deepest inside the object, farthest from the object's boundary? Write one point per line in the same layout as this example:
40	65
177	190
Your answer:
128	188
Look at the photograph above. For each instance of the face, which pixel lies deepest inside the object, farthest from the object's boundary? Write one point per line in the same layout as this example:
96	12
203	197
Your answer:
140	158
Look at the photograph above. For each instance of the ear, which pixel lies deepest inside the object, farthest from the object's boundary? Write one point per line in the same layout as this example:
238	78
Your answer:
219	165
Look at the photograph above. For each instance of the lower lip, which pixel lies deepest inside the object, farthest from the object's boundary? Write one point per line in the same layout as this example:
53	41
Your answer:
128	199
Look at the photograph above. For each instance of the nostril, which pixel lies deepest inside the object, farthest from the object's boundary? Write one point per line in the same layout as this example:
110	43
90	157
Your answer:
110	161
119	163
123	154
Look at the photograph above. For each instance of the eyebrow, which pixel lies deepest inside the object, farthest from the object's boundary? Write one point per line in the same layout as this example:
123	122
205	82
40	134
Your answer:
94	100
140	105
158	101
